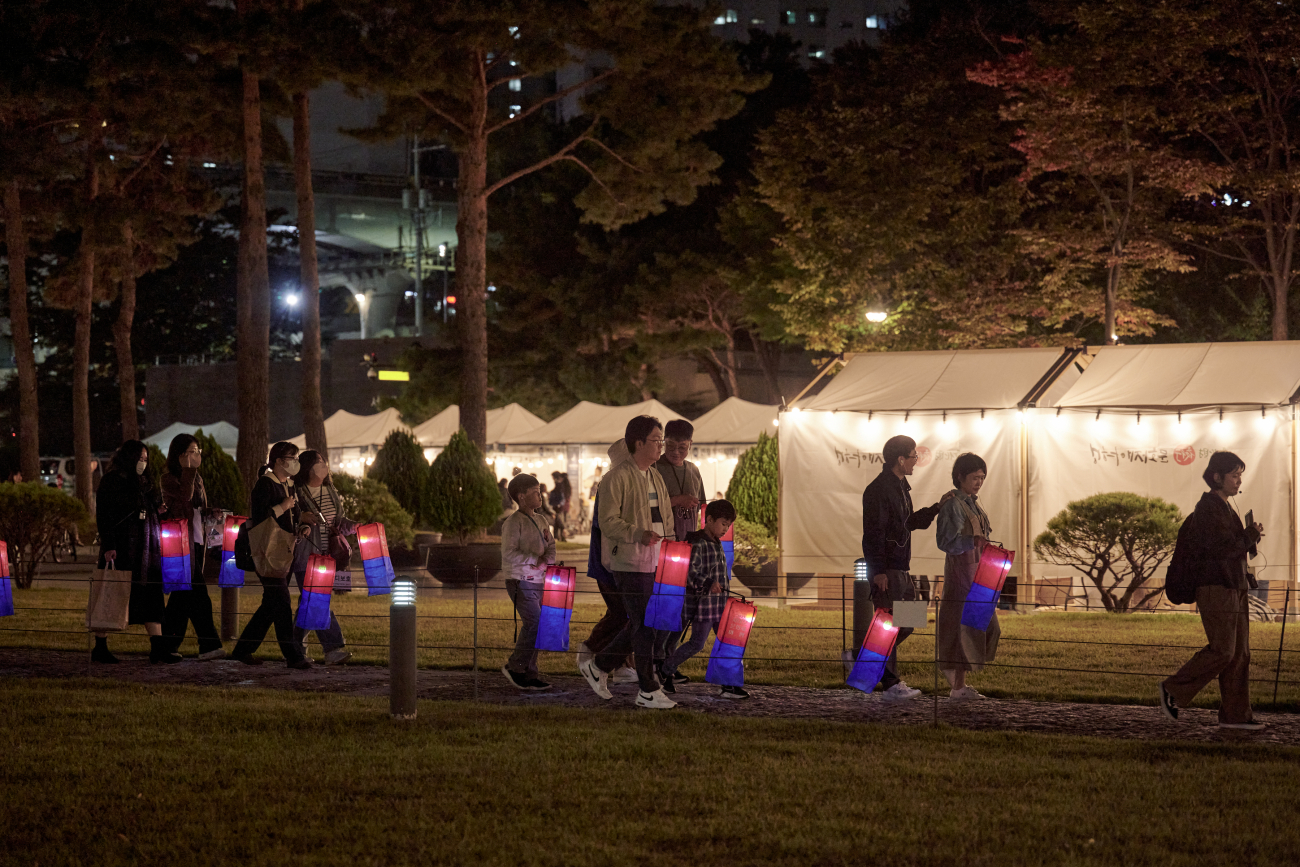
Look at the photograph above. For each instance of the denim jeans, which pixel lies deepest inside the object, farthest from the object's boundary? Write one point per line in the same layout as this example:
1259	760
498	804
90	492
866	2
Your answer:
699	635
528	603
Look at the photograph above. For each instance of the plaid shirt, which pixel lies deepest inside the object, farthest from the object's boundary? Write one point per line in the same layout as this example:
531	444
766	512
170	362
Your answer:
708	568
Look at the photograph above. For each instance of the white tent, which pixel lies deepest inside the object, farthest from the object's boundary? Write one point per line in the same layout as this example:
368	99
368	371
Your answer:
353	439
507	421
1145	419
225	433
950	402
725	431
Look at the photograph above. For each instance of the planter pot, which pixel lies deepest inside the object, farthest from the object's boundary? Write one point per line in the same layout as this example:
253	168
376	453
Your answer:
455	565
405	558
427	539
763	582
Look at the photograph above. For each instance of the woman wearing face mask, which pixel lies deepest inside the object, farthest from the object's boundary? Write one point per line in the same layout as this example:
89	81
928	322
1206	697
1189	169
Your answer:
185	499
273	498
129	539
318	499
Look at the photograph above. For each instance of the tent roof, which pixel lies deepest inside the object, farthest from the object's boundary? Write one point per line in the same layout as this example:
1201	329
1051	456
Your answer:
592	423
735	421
948	379
507	421
225	433
347	430
1186	375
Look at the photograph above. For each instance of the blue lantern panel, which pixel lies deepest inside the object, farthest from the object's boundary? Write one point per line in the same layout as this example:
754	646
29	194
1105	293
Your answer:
231	575
6	597
978	610
867	670
313	611
726	664
176	573
379	575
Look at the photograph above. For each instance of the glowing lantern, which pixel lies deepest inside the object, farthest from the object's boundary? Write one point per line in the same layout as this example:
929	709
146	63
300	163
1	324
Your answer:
876	647
669	596
991	574
317	587
230	575
375	562
6	583
175	555
727	663
557	608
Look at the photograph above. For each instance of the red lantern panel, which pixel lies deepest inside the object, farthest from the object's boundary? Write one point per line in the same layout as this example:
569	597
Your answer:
736	622
4	560
674	563
231	532
995	563
320	574
175	538
372	541
557	590
881	633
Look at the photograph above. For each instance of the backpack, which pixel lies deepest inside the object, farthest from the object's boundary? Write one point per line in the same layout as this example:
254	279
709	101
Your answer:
1180	580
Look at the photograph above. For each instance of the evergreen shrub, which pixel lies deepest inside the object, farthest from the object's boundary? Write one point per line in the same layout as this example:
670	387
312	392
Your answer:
401	467
753	486
463	494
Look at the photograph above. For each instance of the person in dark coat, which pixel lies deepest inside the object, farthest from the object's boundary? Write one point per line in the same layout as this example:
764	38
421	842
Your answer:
273	498
129	539
317	496
184	499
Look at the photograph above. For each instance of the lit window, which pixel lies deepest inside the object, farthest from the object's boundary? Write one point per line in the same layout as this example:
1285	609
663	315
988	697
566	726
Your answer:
789	16
816	17
758	21
516	85
515	109
514	31
875	22
816	52
731	16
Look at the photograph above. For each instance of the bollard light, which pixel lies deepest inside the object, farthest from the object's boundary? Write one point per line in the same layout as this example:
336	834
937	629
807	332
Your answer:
727	662
669	595
6	583
230	575
863	609
401	650
876	647
175	555
990	575
557	609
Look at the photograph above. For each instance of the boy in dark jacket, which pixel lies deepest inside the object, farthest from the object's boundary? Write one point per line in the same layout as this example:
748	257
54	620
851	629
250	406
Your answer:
706	591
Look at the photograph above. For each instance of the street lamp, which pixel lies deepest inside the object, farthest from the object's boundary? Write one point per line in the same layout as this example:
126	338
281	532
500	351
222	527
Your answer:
877	316
361	306
291	300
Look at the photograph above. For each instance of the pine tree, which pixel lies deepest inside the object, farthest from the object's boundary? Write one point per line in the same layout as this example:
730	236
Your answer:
463	495
754	483
401	467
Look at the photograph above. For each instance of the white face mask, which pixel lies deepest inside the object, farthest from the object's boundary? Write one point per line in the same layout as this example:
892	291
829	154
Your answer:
291	466
140	467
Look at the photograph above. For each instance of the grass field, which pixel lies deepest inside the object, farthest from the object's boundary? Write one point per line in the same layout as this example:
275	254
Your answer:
104	773
1047	656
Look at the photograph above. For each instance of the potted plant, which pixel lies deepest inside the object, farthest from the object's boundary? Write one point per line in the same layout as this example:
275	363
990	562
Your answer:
463	501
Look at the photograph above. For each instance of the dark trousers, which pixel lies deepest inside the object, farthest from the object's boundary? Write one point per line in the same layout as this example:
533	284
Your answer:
1225	616
635	636
612	623
330	638
901	588
191	606
276	611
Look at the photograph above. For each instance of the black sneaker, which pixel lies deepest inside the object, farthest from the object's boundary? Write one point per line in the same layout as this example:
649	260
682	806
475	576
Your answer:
1167	704
102	655
667	684
678	677
518	681
246	659
536	684
300	664
734	692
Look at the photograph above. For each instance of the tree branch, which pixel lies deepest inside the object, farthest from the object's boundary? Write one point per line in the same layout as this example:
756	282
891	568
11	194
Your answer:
555	97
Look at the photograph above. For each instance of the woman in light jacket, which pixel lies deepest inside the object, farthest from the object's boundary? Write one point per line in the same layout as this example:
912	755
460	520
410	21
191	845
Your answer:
318	496
527	548
963	531
185	499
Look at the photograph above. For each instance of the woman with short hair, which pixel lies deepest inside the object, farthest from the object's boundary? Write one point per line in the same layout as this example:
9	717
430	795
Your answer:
185	499
962	532
318	496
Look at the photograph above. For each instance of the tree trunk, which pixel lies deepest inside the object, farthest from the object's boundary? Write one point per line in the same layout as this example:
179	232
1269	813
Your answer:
313	414
83	313
471	272
1112	292
769	360
253	294
122	341
29	437
714	370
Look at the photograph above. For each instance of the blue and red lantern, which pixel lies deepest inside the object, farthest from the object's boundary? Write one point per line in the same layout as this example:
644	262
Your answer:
876	647
6	583
557	608
230	575
317	588
375	562
669	596
727	663
990	575
175	555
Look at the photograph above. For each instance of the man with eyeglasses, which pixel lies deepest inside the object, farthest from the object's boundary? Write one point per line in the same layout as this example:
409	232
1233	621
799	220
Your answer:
887	524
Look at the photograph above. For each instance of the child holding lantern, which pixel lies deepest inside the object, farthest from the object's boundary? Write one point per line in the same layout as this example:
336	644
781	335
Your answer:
706	591
527	548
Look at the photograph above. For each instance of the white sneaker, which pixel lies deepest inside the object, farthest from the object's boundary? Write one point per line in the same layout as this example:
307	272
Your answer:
966	693
1251	726
596	679
337	657
624	675
219	653
656	700
900	692
584	654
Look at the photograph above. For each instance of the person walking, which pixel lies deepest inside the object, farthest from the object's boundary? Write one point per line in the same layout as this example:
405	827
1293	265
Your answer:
273	499
887	524
1220	545
185	499
130	540
318	497
682	477
962	533
559	503
633	499
527	548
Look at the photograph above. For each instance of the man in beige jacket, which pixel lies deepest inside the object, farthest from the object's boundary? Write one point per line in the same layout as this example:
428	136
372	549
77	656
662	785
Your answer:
634	504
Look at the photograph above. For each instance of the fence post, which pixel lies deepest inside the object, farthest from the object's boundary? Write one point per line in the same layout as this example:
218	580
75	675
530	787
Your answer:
401	651
229	613
1286	604
475	633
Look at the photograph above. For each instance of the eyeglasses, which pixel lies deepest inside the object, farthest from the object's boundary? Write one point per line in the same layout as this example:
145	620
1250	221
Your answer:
655	442
912	457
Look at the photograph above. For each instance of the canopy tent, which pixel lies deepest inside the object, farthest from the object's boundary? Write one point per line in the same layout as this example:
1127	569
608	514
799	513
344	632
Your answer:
354	439
511	420
950	402
722	433
1145	419
225	433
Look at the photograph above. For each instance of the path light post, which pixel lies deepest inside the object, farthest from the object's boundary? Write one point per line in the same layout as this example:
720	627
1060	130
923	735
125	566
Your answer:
401	650
863	610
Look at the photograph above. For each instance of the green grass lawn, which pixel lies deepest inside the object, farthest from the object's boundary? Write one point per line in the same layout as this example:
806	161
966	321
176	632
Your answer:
1048	656
103	773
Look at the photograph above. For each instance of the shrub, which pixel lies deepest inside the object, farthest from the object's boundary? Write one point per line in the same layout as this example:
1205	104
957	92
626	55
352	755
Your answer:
400	465
1117	540
367	501
753	485
463	494
221	477
753	546
32	517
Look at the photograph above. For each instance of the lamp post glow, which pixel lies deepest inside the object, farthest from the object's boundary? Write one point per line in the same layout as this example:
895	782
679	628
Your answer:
863	609
877	316
401	651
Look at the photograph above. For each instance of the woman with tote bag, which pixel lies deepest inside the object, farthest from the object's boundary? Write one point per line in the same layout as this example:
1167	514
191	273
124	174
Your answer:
273	525
318	497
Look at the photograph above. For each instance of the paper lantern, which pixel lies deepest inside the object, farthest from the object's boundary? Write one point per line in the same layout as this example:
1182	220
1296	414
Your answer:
317	588
175	555
230	575
669	595
557	609
876	647
6	583
727	663
990	575
375	562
